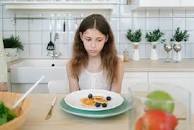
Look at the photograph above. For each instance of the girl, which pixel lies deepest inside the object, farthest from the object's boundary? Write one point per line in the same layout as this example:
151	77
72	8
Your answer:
94	64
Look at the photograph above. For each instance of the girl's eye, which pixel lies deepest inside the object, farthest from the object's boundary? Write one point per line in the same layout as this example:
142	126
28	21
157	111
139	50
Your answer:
88	40
99	40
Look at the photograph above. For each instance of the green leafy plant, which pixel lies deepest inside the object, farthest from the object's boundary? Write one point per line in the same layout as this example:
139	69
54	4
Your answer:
5	114
180	35
13	42
134	36
154	36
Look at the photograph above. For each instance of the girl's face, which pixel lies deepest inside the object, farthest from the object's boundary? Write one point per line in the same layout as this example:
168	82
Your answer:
93	41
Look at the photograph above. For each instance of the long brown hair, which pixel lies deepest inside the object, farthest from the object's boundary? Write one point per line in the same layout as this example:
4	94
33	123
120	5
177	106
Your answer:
108	53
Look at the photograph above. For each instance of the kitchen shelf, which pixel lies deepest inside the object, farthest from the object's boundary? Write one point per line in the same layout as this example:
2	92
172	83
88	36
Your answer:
141	4
59	5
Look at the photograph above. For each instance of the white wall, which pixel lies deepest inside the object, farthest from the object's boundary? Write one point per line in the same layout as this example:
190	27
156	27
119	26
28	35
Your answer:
34	33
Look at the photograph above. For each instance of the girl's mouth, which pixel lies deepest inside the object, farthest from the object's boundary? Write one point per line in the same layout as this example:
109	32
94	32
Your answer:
92	51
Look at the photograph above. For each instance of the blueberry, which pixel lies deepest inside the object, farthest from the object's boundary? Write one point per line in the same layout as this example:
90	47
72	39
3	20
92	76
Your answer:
90	96
108	98
53	65
97	104
104	105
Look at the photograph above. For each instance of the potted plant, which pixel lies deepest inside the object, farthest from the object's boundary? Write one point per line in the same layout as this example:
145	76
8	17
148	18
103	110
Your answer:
154	38
12	45
135	38
178	37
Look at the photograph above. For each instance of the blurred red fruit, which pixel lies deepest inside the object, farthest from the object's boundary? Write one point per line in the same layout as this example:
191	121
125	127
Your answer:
156	120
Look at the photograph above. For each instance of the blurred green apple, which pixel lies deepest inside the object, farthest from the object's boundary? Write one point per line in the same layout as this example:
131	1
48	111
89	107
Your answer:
161	100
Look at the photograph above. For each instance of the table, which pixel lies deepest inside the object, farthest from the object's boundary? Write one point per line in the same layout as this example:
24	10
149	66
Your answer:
64	121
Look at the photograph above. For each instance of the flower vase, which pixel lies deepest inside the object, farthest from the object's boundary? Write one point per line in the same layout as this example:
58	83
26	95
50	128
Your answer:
11	52
154	54
135	55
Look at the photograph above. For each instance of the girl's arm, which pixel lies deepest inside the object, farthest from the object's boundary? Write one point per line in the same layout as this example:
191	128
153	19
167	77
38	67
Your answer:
73	83
116	85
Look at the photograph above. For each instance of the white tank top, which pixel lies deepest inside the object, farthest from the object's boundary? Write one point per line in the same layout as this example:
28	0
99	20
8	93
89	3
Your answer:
89	80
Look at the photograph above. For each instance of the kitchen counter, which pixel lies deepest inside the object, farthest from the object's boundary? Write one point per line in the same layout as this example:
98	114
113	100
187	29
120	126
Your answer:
63	121
146	65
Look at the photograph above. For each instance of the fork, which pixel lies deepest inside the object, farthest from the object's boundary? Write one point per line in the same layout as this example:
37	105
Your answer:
49	114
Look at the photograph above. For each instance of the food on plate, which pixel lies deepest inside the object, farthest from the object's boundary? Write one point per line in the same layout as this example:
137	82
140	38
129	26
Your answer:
108	98
96	101
104	105
100	99
6	114
161	100
156	120
90	96
88	101
97	104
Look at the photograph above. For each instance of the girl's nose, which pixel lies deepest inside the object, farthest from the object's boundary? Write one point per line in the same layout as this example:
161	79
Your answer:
93	44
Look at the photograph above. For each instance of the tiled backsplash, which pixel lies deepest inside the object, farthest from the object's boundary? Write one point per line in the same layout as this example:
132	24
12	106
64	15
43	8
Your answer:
33	28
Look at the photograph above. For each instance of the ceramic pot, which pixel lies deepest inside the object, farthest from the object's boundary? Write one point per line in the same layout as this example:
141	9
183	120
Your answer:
135	55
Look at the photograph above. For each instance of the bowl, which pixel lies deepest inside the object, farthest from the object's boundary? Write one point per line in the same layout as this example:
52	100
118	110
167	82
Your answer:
9	99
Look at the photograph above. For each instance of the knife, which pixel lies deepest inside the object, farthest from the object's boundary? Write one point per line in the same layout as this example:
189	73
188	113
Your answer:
49	114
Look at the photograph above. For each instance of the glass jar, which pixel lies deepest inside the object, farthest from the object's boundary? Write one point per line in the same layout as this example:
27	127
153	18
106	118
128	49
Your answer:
125	55
150	113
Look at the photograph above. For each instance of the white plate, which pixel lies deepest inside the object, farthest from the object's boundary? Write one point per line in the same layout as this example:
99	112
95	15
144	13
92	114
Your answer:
73	99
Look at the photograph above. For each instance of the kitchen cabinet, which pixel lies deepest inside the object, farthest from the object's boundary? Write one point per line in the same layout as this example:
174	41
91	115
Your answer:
60	5
24	87
136	81
187	3
162	3
156	3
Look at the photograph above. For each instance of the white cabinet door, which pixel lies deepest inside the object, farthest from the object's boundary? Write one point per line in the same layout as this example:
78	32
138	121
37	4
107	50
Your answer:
182	79
158	3
137	81
187	3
